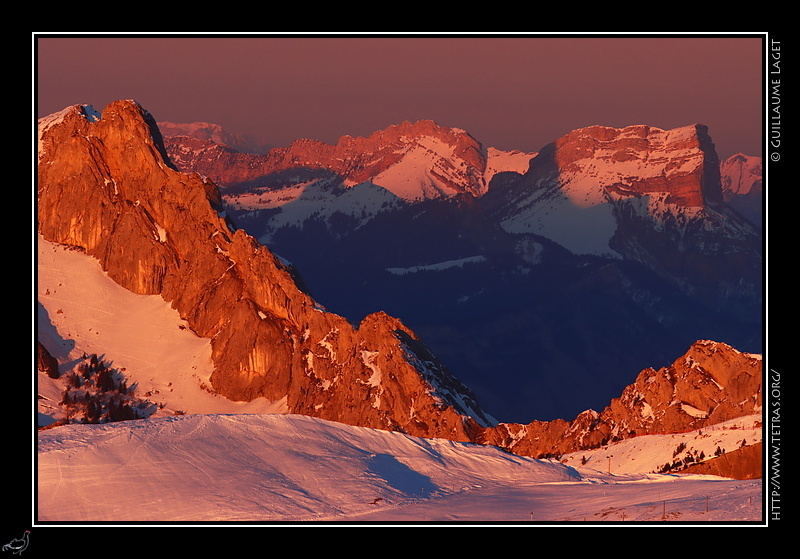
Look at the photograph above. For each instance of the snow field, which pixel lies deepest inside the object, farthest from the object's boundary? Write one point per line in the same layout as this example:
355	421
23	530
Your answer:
289	468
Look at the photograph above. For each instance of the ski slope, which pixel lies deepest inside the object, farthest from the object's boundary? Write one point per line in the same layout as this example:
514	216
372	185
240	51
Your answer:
295	469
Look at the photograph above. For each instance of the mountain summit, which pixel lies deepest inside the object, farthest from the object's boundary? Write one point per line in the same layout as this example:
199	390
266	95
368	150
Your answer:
106	187
414	161
596	176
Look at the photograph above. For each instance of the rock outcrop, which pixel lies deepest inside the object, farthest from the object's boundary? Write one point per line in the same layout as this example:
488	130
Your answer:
106	185
711	383
743	463
45	362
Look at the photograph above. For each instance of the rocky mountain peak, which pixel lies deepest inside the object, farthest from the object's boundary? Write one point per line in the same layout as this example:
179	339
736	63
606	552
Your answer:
711	383
443	159
106	186
742	185
465	146
641	160
436	160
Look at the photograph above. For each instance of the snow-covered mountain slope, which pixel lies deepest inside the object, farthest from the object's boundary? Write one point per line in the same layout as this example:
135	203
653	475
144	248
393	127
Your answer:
81	311
437	266
227	461
501	161
322	200
289	468
741	175
425	171
651	453
742	185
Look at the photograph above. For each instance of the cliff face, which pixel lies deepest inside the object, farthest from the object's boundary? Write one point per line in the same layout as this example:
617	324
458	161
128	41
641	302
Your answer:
105	185
599	165
709	384
681	162
647	195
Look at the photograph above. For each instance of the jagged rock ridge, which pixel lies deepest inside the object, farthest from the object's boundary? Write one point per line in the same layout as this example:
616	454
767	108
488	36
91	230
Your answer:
105	185
711	383
453	161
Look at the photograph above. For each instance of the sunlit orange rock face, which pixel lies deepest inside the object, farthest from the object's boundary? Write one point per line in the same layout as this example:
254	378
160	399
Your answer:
681	162
712	382
743	463
105	186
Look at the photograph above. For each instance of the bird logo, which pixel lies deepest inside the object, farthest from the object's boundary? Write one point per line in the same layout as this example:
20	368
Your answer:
18	545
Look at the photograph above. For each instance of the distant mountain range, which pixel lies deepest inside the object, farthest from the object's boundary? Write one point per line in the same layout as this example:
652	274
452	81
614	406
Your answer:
542	279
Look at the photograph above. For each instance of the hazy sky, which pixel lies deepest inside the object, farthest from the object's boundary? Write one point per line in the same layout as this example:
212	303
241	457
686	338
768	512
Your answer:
508	92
